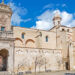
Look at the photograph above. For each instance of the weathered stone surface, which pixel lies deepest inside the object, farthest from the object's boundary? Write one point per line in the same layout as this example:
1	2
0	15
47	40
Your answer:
30	51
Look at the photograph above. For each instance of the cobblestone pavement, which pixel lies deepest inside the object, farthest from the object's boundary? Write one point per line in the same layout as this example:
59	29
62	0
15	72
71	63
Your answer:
44	73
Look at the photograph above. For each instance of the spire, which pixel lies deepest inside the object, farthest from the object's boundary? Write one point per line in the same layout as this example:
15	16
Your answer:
2	1
57	14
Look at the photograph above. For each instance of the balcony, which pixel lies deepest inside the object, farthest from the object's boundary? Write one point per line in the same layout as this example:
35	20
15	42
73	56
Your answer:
6	34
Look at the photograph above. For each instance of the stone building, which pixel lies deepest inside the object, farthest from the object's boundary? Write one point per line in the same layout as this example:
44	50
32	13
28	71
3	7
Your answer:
26	49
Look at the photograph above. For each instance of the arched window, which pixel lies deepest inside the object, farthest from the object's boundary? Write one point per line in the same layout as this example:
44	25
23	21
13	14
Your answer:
23	35
30	43
46	38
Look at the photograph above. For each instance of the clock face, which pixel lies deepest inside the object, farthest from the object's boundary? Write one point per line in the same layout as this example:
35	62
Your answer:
3	19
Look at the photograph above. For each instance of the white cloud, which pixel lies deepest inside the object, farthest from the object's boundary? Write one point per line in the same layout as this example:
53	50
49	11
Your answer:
48	6
29	19
60	5
74	14
63	5
72	24
45	19
18	12
43	25
66	18
54	5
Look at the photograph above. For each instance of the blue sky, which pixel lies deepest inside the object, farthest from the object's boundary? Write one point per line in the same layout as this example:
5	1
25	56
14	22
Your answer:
39	13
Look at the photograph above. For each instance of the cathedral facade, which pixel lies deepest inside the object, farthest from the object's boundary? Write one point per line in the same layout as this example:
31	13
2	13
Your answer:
33	50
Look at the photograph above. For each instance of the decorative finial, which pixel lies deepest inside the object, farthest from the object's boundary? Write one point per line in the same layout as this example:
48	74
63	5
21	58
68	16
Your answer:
2	1
57	14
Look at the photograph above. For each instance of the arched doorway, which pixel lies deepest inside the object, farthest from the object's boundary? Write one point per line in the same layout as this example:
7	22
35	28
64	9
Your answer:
67	63
3	59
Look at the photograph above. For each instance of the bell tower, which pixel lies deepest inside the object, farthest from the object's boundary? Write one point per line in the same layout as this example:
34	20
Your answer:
6	38
5	17
57	19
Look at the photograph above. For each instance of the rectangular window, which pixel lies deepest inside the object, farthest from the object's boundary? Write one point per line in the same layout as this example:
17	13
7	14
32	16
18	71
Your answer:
2	28
22	36
46	38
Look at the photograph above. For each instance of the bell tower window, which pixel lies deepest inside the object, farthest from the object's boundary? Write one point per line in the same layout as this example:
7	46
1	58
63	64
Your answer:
2	28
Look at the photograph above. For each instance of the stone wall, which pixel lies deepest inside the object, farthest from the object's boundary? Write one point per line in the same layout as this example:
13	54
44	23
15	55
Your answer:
34	42
26	59
33	39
